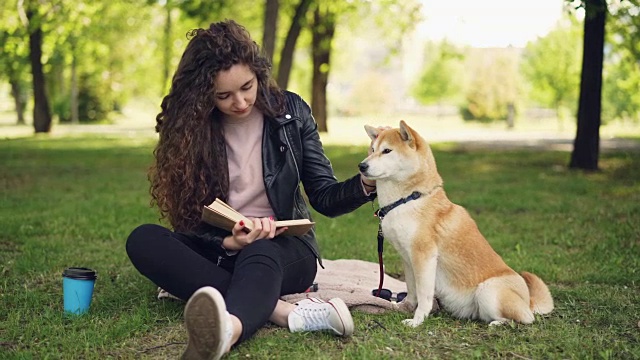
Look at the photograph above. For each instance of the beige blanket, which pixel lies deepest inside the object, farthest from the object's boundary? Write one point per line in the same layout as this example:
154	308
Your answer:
352	281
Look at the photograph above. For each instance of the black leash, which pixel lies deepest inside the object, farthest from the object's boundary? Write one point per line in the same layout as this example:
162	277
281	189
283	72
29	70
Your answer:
380	246
381	213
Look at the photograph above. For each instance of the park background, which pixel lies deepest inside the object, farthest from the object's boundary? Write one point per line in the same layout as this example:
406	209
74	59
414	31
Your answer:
496	86
510	63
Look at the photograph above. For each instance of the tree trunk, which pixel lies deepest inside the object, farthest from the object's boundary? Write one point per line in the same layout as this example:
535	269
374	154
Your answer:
166	61
323	30
41	112
271	9
75	119
17	92
18	99
586	146
511	115
286	55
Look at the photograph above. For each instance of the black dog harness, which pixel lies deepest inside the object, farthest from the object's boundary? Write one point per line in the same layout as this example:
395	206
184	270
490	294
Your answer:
381	213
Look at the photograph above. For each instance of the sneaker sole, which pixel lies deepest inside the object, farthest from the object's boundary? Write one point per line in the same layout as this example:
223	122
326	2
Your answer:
203	318
345	316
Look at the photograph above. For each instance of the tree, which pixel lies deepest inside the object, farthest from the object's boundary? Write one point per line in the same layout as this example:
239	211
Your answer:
492	88
395	16
75	39
192	9
621	78
286	54
167	47
324	26
87	79
271	9
586	146
14	63
203	10
551	66
440	77
620	95
41	111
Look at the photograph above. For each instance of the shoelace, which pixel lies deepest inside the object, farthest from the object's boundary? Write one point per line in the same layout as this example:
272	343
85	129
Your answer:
315	317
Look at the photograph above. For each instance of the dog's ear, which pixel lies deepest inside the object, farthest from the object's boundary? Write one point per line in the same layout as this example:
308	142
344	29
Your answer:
406	133
372	131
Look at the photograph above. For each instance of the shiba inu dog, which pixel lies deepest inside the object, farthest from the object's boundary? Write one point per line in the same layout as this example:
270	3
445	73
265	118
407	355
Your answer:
443	252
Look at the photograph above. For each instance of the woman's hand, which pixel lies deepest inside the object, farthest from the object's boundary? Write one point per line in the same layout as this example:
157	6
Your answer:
263	228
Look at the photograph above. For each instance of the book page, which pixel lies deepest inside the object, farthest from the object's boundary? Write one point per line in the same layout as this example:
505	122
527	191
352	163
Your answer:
283	223
221	215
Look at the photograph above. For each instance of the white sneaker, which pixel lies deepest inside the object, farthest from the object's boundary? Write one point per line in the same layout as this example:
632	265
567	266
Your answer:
315	314
208	324
310	301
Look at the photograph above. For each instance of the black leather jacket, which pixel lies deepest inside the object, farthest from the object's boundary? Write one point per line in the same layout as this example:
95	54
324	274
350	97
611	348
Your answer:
292	154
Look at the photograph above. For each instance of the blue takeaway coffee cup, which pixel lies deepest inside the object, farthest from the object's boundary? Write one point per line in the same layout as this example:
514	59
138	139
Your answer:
77	287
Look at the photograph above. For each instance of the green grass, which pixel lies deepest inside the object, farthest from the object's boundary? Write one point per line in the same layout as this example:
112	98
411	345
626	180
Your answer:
72	201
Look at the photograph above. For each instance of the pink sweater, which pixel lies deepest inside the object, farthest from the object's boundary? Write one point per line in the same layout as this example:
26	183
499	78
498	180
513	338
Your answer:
244	154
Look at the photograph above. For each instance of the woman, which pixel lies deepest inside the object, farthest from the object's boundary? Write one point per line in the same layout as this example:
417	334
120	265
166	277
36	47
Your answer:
227	131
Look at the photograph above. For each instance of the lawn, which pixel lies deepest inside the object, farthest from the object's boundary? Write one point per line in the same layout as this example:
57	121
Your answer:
71	201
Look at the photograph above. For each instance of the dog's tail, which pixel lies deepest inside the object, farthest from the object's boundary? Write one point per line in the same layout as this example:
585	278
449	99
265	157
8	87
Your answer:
541	301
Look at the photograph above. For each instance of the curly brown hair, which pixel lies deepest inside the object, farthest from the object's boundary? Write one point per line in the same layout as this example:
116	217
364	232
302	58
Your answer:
190	167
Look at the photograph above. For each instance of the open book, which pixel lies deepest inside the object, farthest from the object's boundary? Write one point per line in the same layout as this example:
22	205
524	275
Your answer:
221	215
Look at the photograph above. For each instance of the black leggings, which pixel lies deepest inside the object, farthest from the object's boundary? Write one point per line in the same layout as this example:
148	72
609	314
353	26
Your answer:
251	282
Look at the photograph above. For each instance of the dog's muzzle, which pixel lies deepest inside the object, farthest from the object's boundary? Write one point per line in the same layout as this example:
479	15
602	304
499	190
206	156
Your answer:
363	166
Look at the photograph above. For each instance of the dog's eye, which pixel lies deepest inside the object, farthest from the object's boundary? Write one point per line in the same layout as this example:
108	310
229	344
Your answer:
386	151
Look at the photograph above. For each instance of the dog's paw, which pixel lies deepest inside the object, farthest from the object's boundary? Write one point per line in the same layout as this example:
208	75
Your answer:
499	322
406	306
412	322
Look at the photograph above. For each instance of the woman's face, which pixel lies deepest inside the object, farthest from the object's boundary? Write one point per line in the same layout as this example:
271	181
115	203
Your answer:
236	91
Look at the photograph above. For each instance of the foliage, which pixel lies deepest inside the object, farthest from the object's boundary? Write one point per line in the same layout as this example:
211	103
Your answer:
621	99
91	100
369	95
118	51
108	50
95	41
201	10
14	62
89	40
14	65
552	66
367	41
395	18
492	86
71	201
441	77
